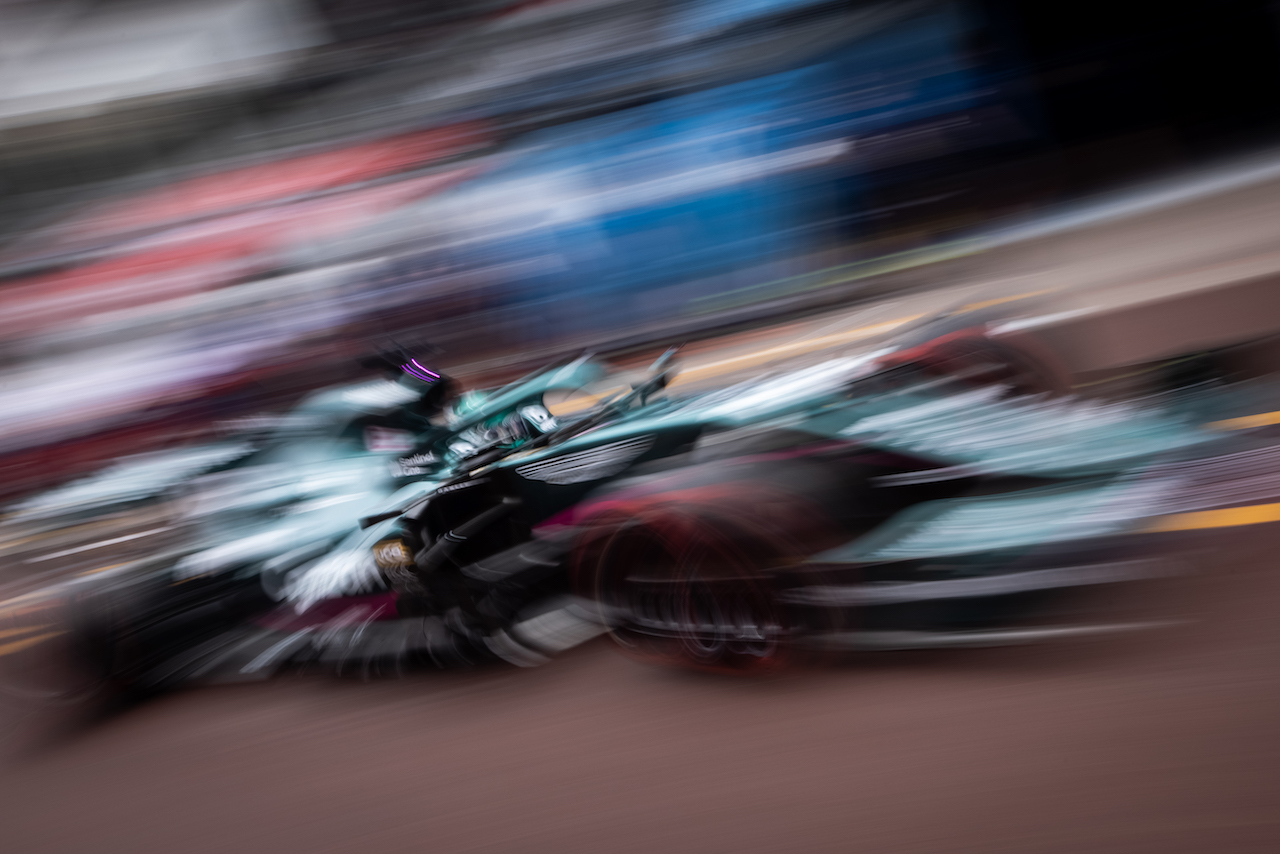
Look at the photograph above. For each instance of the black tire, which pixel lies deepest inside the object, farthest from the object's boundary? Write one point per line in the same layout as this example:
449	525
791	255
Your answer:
688	569
682	588
43	664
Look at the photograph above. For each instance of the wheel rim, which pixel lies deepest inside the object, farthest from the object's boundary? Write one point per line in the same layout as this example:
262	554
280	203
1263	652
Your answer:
697	603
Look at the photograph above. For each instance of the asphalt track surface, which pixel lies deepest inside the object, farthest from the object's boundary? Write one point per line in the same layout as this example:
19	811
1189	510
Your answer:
1162	741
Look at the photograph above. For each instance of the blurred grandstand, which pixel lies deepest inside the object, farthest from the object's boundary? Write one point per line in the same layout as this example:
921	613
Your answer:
213	207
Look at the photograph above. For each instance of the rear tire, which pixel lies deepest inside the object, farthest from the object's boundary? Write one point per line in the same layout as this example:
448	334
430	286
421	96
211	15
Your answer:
682	589
966	346
690	576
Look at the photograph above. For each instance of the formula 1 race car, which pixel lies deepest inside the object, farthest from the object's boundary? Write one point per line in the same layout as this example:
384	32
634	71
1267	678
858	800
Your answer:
941	491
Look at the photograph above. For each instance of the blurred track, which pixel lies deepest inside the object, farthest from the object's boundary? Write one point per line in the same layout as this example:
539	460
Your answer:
1162	742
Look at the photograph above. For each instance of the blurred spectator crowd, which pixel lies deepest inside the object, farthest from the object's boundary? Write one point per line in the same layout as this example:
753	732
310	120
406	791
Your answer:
211	207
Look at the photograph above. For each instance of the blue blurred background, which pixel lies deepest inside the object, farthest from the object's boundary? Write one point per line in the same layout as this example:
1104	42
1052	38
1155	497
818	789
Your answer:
213	207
